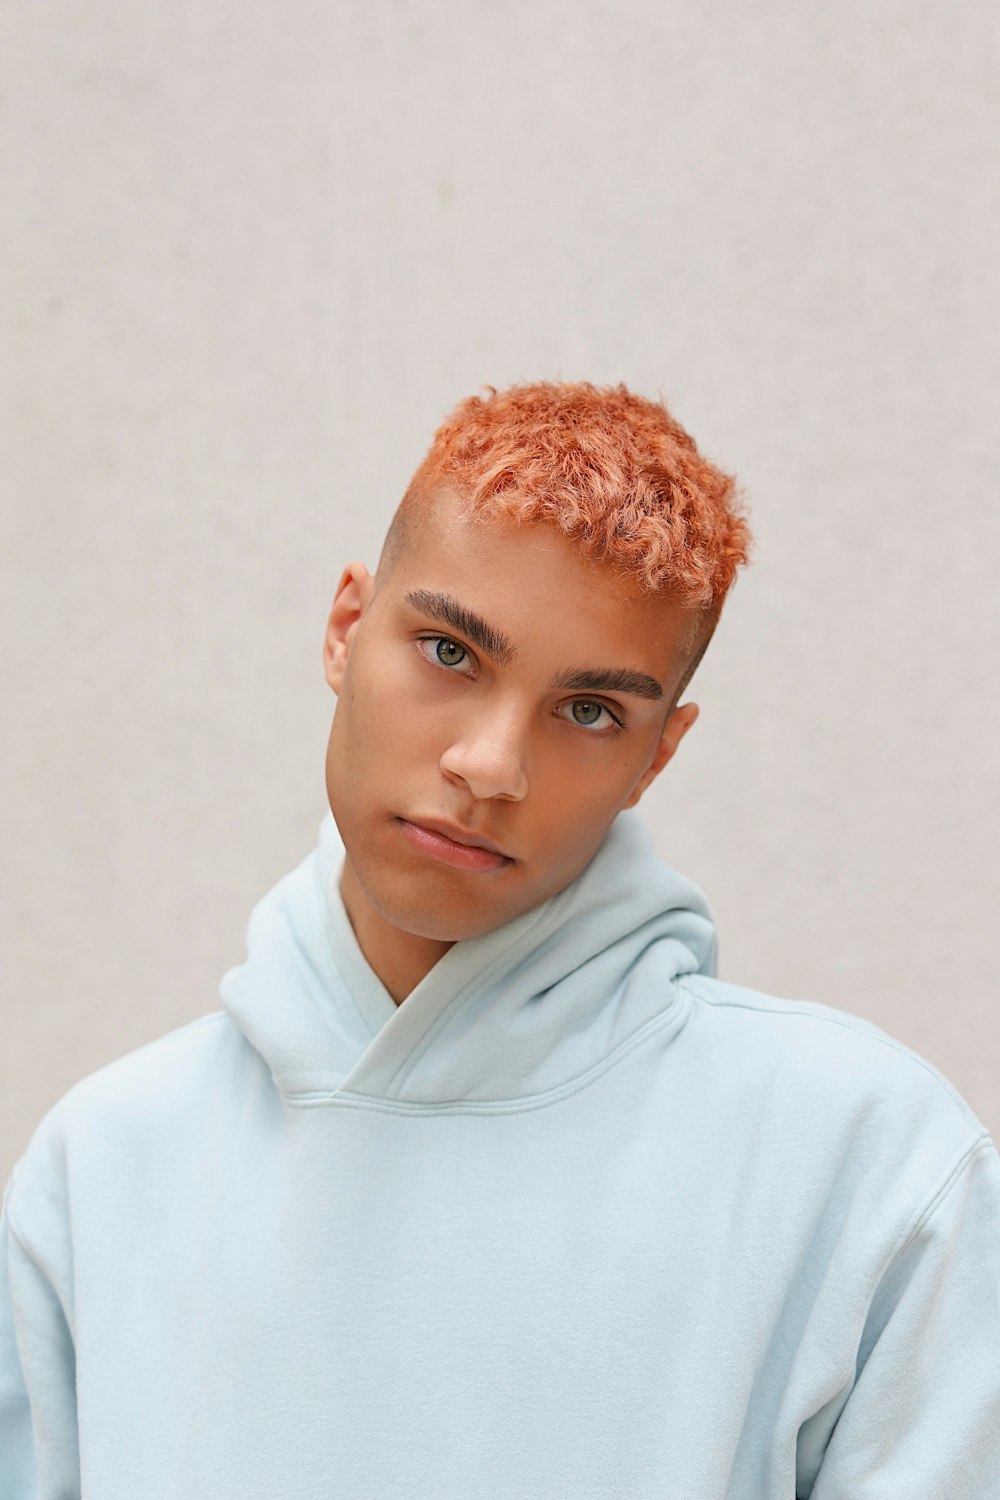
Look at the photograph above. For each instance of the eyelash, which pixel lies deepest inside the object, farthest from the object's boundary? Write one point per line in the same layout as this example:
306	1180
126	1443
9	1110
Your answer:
615	727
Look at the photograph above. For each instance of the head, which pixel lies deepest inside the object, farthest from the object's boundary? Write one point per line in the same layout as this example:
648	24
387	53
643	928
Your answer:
511	675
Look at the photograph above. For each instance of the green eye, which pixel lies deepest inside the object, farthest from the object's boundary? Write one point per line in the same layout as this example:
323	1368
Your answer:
585	712
449	653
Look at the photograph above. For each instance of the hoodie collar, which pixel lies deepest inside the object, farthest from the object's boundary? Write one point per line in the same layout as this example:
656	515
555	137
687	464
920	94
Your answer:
514	1017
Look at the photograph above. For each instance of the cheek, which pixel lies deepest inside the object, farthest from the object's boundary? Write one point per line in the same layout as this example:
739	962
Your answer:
581	787
391	713
570	814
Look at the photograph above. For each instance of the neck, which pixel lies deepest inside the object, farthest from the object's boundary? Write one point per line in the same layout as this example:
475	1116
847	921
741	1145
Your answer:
400	959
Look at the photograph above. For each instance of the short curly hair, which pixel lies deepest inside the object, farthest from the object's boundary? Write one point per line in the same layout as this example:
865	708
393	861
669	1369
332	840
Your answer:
612	471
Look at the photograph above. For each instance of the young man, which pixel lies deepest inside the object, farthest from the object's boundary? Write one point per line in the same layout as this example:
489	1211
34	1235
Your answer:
481	1184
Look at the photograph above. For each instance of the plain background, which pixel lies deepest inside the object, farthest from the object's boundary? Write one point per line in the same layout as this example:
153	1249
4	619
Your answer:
254	254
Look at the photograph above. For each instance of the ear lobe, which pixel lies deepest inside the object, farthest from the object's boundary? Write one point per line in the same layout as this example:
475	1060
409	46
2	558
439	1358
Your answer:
354	593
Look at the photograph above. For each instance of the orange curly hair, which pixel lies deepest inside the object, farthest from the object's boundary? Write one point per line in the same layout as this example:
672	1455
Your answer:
612	471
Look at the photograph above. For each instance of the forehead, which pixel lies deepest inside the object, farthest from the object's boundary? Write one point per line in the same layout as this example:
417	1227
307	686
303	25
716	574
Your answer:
539	587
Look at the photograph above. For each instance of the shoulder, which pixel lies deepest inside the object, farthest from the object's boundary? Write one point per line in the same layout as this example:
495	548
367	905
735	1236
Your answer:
111	1120
829	1043
159	1077
848	1089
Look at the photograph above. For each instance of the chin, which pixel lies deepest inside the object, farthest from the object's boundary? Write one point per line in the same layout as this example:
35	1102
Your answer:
437	913
427	921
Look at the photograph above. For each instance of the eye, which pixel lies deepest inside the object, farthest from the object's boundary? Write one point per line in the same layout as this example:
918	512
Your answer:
589	714
442	651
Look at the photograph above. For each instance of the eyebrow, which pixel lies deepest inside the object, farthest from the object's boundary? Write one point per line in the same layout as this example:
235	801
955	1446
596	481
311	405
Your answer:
495	644
450	612
608	680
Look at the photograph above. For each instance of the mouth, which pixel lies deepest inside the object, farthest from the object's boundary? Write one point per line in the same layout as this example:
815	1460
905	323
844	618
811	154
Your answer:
453	845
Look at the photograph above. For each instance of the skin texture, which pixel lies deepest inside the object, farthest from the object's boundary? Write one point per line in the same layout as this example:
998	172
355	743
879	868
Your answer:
430	725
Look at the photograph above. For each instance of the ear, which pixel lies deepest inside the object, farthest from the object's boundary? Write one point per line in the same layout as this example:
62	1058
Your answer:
354	594
679	721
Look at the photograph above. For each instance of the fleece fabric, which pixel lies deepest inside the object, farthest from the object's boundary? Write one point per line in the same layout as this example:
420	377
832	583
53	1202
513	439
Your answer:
576	1221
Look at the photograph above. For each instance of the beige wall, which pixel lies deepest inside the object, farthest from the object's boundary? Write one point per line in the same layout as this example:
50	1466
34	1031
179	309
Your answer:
258	251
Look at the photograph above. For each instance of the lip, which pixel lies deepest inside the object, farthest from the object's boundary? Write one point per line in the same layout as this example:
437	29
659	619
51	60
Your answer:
458	835
451	844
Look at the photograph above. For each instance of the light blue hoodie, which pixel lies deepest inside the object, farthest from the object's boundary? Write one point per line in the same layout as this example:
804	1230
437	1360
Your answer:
576	1221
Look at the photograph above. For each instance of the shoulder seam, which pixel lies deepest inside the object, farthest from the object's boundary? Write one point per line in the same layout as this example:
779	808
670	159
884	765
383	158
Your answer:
865	1028
15	1233
982	1142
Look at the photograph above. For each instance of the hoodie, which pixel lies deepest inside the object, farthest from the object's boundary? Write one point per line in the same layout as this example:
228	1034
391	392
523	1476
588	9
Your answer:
576	1221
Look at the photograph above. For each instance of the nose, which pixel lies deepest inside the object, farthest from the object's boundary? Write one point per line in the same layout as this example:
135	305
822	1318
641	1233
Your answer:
489	756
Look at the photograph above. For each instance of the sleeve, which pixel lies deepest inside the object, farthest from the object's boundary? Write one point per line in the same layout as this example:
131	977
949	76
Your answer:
923	1416
39	1451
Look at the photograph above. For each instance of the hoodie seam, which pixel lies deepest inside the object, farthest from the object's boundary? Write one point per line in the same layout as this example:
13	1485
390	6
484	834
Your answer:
20	1240
675	1015
788	1008
471	989
947	1183
39	1261
939	1197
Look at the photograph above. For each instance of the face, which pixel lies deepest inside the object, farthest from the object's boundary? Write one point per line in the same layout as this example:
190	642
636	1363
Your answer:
500	700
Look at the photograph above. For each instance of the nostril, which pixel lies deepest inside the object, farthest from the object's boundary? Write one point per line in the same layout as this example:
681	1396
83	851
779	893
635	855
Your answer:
485	769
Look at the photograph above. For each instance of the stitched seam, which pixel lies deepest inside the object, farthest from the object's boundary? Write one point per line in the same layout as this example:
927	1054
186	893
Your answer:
31	1256
19	1238
473	987
675	1016
788	1009
954	1175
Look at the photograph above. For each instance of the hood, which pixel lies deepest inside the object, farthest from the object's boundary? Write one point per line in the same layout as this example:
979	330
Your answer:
536	1006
